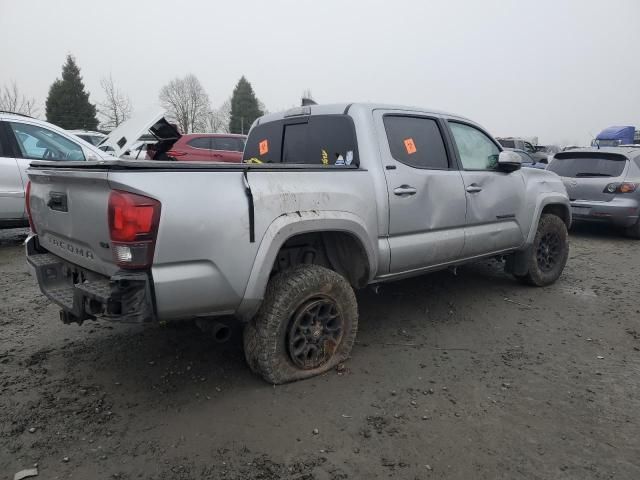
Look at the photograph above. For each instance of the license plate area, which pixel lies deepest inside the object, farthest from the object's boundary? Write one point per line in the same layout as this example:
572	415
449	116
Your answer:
581	211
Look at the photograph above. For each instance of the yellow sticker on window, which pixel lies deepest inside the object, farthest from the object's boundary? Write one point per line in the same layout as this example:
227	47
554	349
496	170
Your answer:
263	146
325	157
410	146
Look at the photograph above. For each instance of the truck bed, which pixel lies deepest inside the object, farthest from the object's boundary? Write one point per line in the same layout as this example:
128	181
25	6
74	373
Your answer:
212	223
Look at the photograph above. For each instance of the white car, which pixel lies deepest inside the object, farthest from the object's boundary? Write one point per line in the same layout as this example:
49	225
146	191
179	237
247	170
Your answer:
94	138
23	139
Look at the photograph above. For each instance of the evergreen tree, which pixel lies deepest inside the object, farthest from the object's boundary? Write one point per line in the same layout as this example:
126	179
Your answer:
245	107
68	104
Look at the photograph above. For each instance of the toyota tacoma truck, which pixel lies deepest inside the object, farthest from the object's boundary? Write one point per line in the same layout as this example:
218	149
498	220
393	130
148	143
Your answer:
328	199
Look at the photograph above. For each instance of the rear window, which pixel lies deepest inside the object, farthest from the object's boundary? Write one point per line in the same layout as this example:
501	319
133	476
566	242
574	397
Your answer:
315	140
588	165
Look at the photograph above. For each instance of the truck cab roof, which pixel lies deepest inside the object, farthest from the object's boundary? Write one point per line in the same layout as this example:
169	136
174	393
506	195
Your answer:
352	108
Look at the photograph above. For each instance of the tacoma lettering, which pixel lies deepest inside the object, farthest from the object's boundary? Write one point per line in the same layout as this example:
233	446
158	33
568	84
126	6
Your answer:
71	248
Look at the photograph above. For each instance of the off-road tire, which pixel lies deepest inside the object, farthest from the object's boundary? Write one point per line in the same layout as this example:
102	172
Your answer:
265	336
634	230
537	275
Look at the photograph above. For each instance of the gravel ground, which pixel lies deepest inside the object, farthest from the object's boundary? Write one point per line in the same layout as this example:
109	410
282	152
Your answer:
467	376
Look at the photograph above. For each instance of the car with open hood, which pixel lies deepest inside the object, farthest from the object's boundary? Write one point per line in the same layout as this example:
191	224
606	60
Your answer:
125	140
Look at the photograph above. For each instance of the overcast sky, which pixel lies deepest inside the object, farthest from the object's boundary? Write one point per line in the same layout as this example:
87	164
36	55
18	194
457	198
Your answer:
561	70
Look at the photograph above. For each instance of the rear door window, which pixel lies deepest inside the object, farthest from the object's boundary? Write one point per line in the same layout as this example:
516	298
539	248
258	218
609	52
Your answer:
229	144
588	166
416	141
315	140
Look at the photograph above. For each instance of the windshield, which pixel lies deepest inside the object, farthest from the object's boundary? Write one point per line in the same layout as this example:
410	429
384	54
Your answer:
593	166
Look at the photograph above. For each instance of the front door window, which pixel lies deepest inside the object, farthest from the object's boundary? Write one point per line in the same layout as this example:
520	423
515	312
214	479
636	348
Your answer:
477	151
40	143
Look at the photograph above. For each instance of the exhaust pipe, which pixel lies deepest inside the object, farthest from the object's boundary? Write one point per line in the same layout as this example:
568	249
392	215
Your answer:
220	332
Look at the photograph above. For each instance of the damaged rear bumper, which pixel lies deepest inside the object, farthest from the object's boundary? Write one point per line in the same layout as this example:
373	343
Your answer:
86	295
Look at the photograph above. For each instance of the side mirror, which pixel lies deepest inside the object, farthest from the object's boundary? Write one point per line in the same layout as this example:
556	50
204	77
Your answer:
509	161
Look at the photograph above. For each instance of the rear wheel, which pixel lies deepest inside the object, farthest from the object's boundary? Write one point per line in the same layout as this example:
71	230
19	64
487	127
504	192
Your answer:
306	325
634	230
549	252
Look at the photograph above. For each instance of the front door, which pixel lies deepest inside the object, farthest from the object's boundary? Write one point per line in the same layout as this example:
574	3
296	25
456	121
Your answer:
426	194
495	199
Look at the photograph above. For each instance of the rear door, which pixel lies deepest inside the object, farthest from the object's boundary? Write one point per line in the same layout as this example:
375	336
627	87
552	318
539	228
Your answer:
495	199
426	195
11	184
199	149
587	174
227	149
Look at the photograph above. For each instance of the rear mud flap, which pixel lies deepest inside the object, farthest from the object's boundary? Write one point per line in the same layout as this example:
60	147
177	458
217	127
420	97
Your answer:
518	262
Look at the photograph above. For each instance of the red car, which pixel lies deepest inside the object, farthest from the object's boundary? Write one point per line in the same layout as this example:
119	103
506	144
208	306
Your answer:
208	147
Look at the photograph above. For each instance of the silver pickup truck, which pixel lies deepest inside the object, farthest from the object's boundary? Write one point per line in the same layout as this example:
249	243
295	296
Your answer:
328	199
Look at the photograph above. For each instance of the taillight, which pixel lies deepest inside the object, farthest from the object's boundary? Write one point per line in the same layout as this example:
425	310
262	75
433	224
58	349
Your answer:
133	226
625	187
27	202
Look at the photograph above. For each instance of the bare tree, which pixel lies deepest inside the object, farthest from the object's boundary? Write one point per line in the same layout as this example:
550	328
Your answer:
218	119
11	100
187	103
116	108
262	107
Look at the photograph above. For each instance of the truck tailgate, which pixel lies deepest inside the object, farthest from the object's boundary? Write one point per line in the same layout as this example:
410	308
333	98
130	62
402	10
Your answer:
69	209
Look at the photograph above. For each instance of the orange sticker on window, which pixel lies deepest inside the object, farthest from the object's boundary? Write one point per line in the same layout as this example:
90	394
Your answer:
264	147
410	146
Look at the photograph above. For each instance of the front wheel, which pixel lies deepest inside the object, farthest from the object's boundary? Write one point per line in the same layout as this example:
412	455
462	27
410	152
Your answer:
549	252
306	325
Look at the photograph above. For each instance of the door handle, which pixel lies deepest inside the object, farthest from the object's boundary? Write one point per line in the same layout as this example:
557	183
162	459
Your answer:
405	190
473	188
